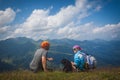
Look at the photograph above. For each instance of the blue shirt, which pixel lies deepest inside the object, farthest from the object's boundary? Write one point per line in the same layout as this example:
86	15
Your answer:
79	60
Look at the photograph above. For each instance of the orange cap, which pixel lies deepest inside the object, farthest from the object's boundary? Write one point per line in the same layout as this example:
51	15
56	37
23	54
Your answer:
45	44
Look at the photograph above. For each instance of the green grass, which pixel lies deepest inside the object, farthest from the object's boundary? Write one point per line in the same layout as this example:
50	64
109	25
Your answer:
101	74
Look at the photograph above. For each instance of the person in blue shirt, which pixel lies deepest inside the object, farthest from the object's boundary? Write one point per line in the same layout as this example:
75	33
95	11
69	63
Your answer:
79	61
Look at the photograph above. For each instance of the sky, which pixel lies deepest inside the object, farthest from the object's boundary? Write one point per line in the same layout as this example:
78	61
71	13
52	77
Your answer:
57	19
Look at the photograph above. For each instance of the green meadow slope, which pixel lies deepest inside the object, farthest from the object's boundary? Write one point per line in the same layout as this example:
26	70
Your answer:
99	74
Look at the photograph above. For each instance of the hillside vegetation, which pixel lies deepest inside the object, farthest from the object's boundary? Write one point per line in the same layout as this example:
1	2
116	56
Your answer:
101	74
18	52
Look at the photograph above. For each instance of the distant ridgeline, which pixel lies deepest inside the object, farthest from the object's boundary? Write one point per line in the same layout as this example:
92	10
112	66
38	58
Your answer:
16	53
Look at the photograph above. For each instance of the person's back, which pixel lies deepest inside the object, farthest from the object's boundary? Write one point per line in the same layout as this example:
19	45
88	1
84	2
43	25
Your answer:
36	62
78	58
40	58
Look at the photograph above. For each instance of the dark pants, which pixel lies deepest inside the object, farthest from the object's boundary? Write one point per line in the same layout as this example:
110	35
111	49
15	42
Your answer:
40	68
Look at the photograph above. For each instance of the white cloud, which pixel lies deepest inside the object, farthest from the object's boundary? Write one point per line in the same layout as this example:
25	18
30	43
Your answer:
3	29
109	31
89	31
98	8
18	10
35	25
40	23
6	16
6	32
64	24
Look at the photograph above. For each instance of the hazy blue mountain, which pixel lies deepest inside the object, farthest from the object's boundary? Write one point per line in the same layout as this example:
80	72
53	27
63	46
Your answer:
17	53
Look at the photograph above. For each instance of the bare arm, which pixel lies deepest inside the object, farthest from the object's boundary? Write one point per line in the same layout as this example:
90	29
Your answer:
44	62
50	59
72	63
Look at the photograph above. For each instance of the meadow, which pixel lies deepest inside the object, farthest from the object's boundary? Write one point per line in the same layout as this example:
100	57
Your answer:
98	74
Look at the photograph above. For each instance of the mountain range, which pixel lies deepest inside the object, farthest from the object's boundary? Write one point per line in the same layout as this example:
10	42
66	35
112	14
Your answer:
17	53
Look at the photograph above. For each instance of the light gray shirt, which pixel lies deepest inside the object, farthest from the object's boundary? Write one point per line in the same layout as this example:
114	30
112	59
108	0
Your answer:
37	58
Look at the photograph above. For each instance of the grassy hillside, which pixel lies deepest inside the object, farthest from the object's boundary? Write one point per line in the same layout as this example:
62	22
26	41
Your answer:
18	52
101	74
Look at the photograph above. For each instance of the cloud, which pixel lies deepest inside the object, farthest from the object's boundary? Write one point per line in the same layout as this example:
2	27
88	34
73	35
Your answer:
18	10
66	23
40	23
77	32
6	32
98	8
35	25
3	29
90	31
109	31
6	16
